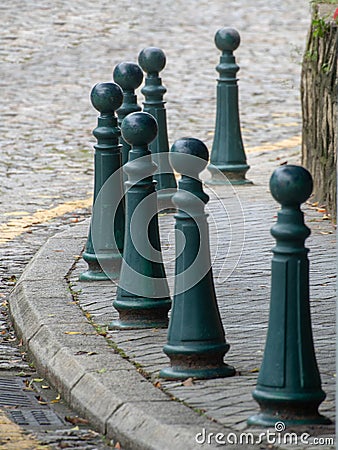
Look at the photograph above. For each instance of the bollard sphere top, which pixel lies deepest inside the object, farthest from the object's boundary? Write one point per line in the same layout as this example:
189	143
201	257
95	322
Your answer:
152	59
291	185
128	75
189	156
106	97
227	39
139	128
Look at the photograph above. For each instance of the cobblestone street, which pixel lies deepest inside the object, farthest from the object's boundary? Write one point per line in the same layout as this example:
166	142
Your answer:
51	55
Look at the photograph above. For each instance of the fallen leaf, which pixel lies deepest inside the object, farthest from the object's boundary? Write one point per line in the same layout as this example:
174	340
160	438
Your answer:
42	401
157	384
102	370
73	332
57	399
255	370
117	445
102	333
76	420
321	210
28	389
188	382
38	380
315	204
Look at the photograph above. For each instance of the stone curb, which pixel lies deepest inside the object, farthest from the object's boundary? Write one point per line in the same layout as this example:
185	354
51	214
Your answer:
107	390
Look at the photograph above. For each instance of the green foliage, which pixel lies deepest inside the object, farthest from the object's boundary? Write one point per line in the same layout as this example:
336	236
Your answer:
320	27
317	2
326	68
311	55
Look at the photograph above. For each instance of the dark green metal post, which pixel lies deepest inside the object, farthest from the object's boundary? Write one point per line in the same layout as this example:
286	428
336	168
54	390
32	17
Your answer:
289	385
143	295
128	76
105	240
227	159
196	343
152	60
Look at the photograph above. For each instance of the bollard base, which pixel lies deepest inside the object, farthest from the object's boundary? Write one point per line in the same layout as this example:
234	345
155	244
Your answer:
220	182
93	275
194	363
228	174
174	373
291	408
102	267
270	420
136	325
141	313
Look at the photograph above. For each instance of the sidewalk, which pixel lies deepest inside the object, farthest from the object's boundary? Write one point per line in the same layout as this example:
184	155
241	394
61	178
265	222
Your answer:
111	378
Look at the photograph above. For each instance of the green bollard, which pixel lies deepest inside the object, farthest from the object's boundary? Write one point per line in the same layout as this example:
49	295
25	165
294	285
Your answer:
227	154
152	60
105	240
128	76
142	298
196	343
289	386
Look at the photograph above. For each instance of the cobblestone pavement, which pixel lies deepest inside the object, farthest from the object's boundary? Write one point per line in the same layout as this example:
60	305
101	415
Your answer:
52	54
